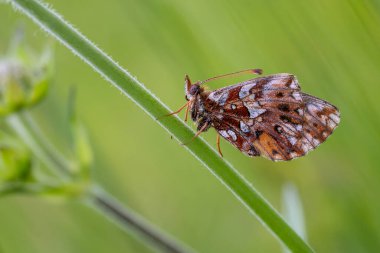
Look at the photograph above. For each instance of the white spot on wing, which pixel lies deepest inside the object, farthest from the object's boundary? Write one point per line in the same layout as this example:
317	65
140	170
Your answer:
253	113
313	108
244	91
223	98
289	129
244	127
271	83
232	134
214	96
292	140
334	117
219	97
297	96
224	133
331	124
233	106
293	85
300	111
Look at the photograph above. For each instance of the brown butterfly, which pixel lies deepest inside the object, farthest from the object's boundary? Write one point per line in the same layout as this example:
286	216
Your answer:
267	116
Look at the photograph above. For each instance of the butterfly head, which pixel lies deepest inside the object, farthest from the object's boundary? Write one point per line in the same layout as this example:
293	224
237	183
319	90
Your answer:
191	90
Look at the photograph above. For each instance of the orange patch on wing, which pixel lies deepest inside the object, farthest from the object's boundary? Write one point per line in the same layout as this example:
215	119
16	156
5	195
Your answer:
269	148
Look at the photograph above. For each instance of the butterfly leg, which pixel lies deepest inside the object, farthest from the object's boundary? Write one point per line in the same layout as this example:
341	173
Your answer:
218	144
242	72
179	110
198	133
187	111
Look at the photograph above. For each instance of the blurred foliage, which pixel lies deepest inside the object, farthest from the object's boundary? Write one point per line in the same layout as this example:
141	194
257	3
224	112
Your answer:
24	80
15	160
24	76
332	47
20	172
80	143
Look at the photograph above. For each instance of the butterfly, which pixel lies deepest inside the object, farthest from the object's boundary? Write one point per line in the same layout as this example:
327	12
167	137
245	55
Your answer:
267	116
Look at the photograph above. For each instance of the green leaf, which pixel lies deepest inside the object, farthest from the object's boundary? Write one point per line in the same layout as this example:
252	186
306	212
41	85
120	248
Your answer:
81	142
40	88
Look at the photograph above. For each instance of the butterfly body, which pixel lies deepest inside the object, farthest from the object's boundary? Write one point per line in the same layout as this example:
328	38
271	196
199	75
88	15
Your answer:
267	116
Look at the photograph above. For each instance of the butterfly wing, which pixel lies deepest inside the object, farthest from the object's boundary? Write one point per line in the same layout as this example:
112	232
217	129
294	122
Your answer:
270	117
320	120
293	138
242	138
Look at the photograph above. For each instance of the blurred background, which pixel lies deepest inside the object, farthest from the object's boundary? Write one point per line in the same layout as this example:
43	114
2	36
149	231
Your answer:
333	47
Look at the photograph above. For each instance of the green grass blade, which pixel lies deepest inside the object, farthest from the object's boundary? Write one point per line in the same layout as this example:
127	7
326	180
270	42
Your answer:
128	85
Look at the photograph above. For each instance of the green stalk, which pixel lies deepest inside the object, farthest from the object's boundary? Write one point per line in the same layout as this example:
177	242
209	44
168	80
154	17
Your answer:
127	219
95	197
55	25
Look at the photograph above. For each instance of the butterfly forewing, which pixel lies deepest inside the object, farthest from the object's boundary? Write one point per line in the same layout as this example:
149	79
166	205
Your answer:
269	116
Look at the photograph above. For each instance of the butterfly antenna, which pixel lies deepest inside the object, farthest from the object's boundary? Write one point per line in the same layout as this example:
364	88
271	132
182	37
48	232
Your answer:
242	72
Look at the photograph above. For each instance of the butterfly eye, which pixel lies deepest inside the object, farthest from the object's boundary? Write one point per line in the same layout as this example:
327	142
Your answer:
194	89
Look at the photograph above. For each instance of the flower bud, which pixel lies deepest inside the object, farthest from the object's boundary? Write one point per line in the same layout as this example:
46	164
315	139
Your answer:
24	78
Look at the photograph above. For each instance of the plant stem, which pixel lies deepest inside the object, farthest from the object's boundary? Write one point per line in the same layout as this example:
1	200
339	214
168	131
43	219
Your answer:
106	204
96	197
62	163
17	125
54	24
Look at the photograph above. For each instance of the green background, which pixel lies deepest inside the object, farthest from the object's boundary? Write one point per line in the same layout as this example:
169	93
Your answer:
332	47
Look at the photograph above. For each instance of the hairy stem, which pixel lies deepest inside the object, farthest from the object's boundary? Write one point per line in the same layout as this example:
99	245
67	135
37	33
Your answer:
55	25
96	197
